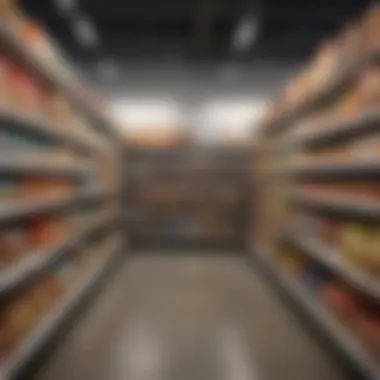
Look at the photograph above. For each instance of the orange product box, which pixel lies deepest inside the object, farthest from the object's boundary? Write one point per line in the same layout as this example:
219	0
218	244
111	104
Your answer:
27	93
35	188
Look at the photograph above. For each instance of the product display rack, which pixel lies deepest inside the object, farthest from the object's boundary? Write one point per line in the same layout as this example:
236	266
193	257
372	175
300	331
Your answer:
64	80
39	261
48	130
166	210
311	247
364	124
20	163
11	367
316	162
354	210
345	344
11	213
60	198
317	100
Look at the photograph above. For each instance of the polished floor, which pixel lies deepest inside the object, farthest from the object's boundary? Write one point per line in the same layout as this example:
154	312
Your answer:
190	317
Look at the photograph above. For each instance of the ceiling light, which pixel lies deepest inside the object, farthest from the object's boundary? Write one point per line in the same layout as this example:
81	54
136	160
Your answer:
145	113
246	33
66	6
85	31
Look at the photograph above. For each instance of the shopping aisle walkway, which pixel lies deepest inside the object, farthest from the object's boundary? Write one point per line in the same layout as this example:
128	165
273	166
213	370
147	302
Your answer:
182	318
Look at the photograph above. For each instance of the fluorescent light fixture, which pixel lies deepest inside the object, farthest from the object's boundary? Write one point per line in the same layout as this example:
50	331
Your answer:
137	114
246	33
86	32
232	118
66	6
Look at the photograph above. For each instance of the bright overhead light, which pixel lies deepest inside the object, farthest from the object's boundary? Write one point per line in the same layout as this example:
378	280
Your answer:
234	118
86	32
145	113
66	6
246	33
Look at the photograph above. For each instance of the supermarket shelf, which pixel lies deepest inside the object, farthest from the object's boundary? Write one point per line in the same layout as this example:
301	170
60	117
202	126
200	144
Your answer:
369	169
343	341
338	84
138	242
43	164
367	123
200	152
61	78
11	212
207	201
30	124
52	322
328	257
366	211
33	265
183	172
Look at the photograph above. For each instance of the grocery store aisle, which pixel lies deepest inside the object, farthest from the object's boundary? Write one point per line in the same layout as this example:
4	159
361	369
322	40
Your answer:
190	317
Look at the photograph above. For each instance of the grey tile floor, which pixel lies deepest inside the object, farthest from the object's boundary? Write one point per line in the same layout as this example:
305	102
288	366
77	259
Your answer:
182	318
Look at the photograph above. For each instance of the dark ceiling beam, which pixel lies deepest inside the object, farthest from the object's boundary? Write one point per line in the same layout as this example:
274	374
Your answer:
314	14
145	12
204	23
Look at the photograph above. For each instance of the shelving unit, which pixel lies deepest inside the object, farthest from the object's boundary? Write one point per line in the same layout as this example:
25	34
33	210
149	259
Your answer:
167	211
50	131
19	163
317	227
15	211
12	277
338	83
346	344
64	79
60	210
364	124
329	258
366	169
53	320
354	210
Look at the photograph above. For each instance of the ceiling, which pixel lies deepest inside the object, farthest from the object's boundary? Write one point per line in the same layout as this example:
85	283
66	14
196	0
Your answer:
199	30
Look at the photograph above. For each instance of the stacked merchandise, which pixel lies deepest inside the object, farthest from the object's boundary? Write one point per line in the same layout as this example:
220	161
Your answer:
318	232
187	196
58	180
